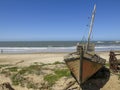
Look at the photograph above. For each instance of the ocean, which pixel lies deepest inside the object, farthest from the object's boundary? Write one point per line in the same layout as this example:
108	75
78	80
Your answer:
52	46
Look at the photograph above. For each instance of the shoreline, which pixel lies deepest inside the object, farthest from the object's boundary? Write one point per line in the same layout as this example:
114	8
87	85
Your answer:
63	49
62	54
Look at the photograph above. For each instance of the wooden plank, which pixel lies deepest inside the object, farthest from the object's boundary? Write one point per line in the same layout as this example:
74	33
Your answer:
74	68
89	68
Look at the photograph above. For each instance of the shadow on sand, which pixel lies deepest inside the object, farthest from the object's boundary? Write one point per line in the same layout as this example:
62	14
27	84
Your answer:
97	81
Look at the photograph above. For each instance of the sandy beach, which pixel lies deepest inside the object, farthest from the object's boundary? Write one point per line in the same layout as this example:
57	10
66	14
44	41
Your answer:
25	60
36	37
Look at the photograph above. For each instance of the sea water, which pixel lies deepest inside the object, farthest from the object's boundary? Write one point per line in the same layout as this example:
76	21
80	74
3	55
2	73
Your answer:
52	46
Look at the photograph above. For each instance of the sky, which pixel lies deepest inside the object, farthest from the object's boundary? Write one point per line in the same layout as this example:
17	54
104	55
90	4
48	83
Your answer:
58	20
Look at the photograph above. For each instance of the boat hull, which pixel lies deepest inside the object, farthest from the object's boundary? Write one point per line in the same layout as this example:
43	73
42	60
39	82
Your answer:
89	68
83	68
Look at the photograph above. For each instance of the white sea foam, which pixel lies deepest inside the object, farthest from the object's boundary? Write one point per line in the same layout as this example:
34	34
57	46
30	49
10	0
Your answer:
35	49
53	49
100	42
117	41
107	48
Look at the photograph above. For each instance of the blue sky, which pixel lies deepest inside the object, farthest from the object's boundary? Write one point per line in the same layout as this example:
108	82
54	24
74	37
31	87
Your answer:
39	20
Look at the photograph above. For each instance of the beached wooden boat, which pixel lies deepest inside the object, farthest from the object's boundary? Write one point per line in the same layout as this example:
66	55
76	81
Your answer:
83	65
84	62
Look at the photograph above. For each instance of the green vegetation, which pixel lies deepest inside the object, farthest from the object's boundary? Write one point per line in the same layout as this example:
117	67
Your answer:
5	65
57	62
119	77
31	85
13	69
32	69
107	64
52	78
36	63
7	73
62	72
19	76
36	69
17	79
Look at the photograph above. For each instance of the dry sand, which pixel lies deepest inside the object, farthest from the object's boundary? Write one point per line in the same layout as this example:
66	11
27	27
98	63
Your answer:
28	59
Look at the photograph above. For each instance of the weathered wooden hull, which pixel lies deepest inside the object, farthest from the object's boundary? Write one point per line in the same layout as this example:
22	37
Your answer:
83	68
88	69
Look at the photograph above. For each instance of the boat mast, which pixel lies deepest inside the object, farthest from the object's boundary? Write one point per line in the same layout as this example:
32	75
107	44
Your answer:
91	26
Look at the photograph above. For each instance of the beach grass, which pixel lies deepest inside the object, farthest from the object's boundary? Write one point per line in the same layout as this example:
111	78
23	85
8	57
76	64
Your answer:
58	73
13	69
57	62
119	77
4	65
18	75
16	79
107	64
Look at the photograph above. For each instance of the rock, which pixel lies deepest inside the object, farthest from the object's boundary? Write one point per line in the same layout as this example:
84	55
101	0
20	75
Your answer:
6	86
